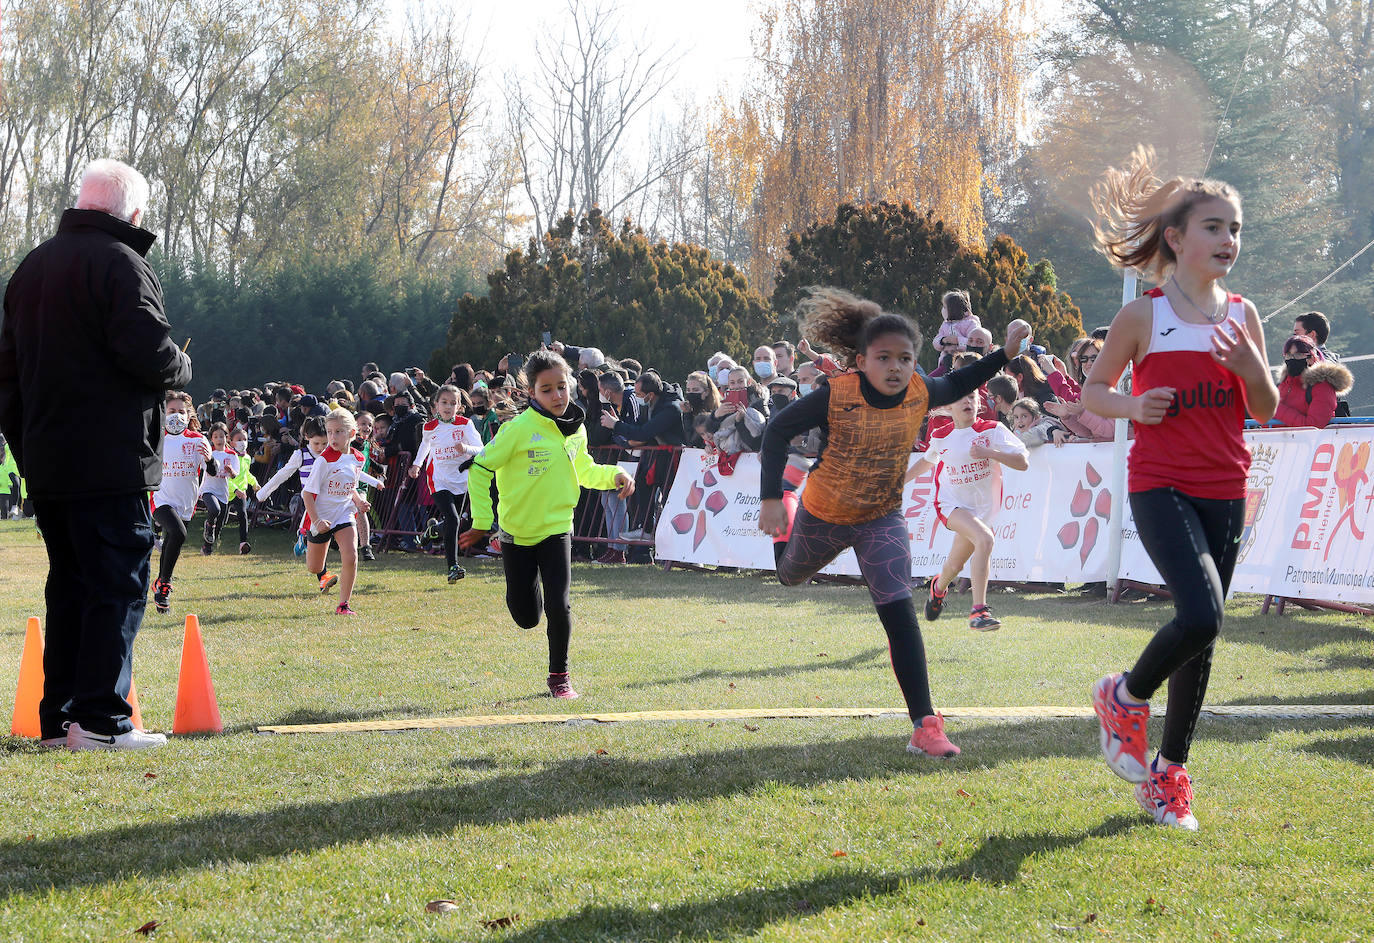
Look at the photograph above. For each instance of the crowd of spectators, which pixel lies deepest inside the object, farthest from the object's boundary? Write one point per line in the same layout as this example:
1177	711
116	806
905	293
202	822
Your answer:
636	416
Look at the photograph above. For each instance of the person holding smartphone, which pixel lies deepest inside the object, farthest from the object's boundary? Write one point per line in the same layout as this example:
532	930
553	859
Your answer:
737	426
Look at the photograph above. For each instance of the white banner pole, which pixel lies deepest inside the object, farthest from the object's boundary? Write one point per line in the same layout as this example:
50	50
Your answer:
1128	292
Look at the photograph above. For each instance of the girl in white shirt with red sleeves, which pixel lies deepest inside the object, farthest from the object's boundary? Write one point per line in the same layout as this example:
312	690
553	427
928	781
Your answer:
449	443
331	496
968	457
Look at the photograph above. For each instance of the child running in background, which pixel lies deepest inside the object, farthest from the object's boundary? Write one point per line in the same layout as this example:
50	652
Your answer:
362	442
239	484
331	498
214	488
313	443
1199	359
540	462
968	456
184	454
869	421
448	443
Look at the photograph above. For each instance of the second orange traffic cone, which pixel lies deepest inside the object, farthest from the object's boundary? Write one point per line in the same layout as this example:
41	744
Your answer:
197	709
30	690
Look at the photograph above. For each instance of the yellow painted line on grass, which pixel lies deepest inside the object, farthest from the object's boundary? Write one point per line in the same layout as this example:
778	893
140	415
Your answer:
1262	711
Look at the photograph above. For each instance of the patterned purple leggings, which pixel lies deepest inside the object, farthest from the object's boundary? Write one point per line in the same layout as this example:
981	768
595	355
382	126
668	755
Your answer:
883	547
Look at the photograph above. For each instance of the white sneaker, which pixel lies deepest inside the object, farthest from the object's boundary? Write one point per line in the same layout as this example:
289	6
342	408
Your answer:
79	739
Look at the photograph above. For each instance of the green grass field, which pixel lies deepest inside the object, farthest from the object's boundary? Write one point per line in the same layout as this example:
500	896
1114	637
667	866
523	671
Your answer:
770	830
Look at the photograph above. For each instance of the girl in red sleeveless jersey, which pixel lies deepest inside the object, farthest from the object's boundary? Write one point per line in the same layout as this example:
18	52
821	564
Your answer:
1199	367
869	421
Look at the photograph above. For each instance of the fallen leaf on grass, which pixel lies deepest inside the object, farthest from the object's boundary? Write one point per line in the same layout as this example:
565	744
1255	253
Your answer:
711	724
730	685
150	775
500	922
148	928
963	793
839	854
441	906
920	921
1089	918
822	654
752	728
601	752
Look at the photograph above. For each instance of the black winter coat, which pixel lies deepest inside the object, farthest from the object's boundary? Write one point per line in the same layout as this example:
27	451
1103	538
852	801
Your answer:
85	335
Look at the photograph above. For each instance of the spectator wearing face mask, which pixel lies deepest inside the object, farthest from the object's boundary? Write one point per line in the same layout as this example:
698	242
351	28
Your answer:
808	377
765	366
660	423
980	342
1310	385
701	399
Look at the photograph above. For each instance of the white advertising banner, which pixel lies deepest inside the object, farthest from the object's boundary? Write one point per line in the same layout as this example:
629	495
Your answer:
1309	506
1052	524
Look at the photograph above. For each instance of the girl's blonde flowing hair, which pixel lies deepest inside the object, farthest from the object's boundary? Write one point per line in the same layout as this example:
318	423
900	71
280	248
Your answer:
1134	208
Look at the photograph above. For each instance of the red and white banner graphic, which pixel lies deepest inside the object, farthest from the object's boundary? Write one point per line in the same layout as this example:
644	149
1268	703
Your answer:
1307	513
1051	525
1309	506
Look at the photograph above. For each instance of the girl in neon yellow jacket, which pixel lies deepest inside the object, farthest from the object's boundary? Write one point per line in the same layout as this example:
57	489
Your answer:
540	462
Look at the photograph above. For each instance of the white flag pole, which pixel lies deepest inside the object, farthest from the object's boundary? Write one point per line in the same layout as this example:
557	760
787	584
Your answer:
1129	287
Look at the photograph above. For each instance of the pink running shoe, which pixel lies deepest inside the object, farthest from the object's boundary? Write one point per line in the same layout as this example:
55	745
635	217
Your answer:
929	739
1123	737
344	609
1168	796
559	686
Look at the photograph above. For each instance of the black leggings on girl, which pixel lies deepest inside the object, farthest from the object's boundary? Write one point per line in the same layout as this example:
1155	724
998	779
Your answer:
216	513
548	562
883	549
239	504
173	536
449	505
1193	542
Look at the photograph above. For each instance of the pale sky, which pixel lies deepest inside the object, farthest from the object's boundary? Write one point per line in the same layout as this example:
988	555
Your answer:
711	35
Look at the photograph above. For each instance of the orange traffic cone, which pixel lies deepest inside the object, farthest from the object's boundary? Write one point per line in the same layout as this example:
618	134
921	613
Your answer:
30	691
197	710
135	716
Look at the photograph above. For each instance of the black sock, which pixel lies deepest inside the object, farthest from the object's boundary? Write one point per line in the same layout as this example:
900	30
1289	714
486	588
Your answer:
908	654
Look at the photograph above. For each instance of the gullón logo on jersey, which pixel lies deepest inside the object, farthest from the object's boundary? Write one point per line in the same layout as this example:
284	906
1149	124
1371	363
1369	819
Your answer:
1203	396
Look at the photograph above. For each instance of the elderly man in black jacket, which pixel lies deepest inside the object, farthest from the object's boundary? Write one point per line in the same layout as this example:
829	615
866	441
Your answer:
84	329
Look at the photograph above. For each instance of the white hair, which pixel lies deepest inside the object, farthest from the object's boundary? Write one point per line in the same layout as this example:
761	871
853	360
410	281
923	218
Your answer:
399	383
112	187
591	357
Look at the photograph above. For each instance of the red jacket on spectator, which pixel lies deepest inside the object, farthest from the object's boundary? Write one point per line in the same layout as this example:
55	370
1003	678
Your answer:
1310	399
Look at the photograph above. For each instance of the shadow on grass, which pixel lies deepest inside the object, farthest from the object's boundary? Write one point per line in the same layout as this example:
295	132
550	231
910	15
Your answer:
775	671
569	787
1351	749
997	861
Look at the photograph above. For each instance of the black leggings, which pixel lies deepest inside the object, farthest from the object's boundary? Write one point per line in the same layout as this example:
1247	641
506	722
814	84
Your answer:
173	536
449	505
548	562
239	503
216	513
1193	542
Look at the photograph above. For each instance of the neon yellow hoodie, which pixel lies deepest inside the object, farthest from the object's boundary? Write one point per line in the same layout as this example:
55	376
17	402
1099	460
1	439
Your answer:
540	465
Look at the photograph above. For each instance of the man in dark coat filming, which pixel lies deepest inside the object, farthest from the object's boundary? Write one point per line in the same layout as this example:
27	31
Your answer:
84	330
